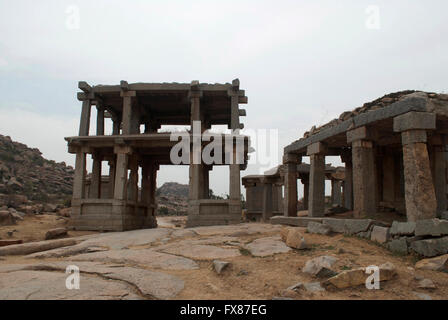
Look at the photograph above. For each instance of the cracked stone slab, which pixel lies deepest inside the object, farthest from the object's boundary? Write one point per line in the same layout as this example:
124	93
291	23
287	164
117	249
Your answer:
183	233
264	247
39	285
32	247
147	257
66	251
151	284
243	229
121	240
104	241
201	251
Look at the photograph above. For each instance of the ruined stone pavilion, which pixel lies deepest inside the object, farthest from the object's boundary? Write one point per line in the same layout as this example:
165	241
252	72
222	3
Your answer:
395	155
264	193
136	148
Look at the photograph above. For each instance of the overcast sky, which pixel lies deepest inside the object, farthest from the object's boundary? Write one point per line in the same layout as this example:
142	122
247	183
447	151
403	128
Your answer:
302	63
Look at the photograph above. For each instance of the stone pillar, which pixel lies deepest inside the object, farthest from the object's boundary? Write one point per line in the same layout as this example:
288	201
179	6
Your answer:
206	184
80	176
234	167
95	183
148	189
121	173
112	165
116	123
290	162
316	201
280	198
84	124
100	121
196	186
420	195
348	181
235	183
336	192
267	210
153	183
364	173
133	179
439	174
306	192
389	178
128	112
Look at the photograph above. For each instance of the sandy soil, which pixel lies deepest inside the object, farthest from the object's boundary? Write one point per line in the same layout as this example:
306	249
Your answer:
34	227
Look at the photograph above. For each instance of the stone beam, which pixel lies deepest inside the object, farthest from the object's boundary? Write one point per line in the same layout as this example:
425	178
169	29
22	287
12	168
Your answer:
362	133
415	120
84	86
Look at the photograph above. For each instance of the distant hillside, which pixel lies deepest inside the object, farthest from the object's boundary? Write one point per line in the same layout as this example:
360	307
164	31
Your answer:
24	171
173	189
172	198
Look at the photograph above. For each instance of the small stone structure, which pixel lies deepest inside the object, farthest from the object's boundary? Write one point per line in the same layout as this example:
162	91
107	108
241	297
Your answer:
264	194
395	155
136	148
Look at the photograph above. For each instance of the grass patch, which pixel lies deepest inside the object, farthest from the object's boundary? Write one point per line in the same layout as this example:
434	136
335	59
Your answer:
245	252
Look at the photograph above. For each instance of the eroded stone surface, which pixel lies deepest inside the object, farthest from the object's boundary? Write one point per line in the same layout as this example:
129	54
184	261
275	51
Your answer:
320	266
264	247
31	247
201	252
36	285
147	257
356	277
151	284
435	264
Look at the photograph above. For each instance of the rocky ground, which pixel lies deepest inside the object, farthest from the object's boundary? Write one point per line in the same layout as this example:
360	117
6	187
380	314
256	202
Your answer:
246	261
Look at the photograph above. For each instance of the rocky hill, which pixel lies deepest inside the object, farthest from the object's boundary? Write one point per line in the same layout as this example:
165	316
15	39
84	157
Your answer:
172	199
26	175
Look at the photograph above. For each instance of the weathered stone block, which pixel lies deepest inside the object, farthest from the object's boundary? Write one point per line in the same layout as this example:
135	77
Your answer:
402	228
415	120
353	226
434	264
56	233
336	225
294	221
356	277
413	136
295	239
291	158
319	228
380	234
431	227
399	246
361	133
431	247
320	266
219	265
6	218
316	148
